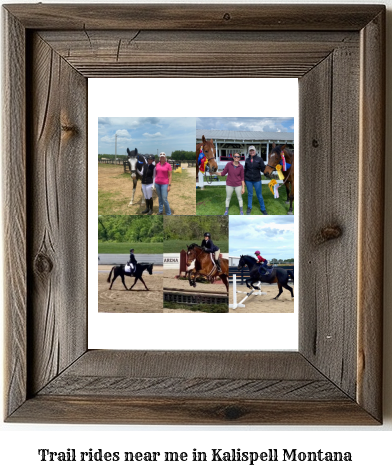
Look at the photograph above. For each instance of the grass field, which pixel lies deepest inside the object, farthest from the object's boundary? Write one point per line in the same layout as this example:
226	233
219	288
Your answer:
123	247
211	201
175	246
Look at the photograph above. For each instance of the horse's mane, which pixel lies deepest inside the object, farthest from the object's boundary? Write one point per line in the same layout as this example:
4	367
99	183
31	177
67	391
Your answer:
194	246
249	256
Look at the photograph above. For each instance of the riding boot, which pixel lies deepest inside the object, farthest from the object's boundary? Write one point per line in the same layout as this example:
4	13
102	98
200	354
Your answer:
150	203
147	207
217	265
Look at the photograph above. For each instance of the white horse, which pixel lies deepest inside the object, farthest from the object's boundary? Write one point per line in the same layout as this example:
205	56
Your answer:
136	162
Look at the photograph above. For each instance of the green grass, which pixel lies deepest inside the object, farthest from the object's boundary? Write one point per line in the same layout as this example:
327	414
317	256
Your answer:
123	247
205	308
175	246
211	201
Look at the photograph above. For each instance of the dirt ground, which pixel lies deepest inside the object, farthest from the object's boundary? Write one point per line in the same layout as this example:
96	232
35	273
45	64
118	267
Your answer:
118	300
264	303
170	282
116	192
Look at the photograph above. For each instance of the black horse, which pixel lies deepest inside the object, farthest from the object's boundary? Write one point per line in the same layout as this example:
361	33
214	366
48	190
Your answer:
119	270
278	275
136	162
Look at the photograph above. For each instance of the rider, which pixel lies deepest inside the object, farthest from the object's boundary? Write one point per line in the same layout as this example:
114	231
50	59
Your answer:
132	260
263	262
208	245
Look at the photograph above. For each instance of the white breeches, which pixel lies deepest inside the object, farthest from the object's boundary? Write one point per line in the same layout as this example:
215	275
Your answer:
147	190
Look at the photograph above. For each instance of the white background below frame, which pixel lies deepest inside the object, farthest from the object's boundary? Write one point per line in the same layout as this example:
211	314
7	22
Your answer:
185	331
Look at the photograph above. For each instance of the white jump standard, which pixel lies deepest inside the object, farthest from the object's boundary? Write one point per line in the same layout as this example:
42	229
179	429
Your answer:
236	305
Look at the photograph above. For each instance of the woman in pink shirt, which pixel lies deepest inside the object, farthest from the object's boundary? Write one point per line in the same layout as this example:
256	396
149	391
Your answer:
235	181
163	176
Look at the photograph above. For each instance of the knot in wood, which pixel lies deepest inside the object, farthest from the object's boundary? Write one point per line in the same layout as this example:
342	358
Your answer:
69	128
227	16
315	143
328	233
232	413
43	264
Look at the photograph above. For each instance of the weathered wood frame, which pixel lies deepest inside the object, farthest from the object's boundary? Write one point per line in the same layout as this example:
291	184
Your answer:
337	52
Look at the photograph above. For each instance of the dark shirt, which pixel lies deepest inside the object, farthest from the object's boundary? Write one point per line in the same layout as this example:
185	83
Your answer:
209	246
148	173
132	259
253	169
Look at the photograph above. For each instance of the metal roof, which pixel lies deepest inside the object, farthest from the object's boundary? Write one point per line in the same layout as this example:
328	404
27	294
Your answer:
246	136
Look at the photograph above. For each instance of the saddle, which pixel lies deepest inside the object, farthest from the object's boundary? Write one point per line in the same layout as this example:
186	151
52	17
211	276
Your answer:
265	271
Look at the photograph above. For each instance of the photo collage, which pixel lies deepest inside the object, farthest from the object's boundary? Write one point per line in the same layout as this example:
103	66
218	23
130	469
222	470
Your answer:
196	215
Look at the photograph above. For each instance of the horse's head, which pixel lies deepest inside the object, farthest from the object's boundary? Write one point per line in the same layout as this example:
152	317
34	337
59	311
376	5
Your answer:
191	253
241	263
149	268
273	159
209	152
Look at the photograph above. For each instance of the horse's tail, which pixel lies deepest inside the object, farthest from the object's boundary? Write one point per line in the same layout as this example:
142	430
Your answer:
110	275
290	273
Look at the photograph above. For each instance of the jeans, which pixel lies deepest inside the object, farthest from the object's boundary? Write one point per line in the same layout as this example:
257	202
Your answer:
257	186
162	196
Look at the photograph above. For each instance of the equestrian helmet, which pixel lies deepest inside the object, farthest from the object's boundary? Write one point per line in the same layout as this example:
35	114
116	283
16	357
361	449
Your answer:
207	234
131	250
257	252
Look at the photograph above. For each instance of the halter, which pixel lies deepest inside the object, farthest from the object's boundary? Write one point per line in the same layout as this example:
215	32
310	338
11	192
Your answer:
288	174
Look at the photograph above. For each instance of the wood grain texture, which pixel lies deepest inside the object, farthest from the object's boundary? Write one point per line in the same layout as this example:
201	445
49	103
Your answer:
14	209
193	17
329	198
118	410
57	215
371	215
132	53
336	376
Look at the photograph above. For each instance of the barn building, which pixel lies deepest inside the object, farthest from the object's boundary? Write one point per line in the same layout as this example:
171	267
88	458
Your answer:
229	142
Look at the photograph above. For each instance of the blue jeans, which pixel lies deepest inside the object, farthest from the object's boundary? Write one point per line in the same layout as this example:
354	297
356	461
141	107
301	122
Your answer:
257	185
162	196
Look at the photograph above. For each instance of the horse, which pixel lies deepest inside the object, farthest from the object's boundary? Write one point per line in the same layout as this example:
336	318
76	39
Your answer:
136	162
119	270
209	152
274	159
278	275
204	266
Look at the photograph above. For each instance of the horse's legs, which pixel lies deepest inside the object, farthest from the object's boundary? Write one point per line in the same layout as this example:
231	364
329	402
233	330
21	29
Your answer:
123	280
115	275
247	282
290	197
141	279
133	190
280	290
285	285
225	281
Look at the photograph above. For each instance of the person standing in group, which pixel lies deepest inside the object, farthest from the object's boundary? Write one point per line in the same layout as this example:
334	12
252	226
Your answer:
148	178
235	181
254	166
163	177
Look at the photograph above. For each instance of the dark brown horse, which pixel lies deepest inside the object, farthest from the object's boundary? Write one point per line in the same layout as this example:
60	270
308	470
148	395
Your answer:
119	270
274	159
209	152
278	275
204	266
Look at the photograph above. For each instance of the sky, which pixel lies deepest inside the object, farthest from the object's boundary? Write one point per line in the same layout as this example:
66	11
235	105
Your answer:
147	134
272	235
246	124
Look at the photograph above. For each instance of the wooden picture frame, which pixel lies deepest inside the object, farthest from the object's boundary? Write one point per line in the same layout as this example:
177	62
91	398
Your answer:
338	54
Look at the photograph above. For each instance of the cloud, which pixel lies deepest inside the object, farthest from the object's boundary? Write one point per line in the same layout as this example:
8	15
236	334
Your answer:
152	135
